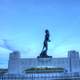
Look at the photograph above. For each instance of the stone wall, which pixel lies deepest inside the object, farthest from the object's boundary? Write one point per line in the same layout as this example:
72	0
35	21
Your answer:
17	65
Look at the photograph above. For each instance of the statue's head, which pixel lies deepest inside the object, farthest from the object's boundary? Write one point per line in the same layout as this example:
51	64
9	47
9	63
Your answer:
46	31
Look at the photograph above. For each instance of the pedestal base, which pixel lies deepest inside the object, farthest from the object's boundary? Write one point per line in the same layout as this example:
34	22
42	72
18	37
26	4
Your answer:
44	55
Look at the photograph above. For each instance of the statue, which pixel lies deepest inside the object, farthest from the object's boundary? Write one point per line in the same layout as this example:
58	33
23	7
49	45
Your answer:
45	45
46	40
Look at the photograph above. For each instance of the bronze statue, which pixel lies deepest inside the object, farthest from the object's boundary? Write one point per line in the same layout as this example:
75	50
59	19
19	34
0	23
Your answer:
46	40
43	53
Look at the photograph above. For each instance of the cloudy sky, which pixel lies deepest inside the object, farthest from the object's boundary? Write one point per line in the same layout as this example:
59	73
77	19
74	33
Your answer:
22	25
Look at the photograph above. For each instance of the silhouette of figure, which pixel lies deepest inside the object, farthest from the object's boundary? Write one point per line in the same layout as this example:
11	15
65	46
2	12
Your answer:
43	53
46	40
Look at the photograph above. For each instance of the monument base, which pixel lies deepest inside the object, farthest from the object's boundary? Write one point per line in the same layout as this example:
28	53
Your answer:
44	55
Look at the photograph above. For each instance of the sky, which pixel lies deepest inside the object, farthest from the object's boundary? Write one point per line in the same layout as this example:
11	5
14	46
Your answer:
23	22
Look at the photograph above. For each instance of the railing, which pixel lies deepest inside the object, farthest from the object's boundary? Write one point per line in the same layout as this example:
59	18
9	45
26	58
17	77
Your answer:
32	77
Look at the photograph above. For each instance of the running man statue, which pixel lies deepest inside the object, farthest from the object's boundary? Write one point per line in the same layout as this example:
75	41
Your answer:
46	40
43	53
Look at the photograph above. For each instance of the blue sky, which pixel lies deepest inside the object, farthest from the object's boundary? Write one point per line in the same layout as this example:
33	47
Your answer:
22	25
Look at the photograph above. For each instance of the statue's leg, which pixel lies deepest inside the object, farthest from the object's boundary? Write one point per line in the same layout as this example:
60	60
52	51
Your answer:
44	46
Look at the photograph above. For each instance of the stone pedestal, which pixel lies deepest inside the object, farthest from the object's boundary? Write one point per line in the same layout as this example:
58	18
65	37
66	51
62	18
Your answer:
43	54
